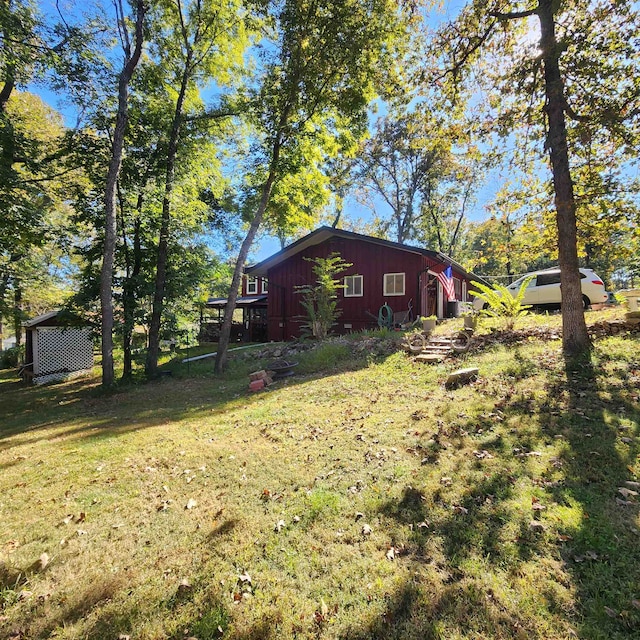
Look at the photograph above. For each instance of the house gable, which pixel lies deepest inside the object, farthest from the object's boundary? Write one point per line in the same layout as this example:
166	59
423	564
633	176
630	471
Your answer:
381	272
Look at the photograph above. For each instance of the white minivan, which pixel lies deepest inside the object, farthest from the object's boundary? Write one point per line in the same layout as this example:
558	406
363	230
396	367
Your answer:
544	288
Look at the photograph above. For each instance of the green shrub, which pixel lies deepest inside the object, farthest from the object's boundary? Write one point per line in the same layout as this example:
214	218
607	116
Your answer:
320	300
502	304
11	358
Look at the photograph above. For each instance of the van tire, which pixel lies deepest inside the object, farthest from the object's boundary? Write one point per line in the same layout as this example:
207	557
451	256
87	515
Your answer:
586	303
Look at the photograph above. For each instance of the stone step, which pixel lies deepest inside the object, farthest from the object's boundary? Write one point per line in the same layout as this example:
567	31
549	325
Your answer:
430	357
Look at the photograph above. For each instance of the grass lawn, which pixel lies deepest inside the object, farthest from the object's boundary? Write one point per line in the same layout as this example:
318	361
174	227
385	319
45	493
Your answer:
358	499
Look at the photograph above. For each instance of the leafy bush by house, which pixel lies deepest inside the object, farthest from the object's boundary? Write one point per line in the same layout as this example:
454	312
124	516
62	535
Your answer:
502	304
320	300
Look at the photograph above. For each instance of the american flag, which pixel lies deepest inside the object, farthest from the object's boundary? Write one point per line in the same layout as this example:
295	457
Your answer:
446	279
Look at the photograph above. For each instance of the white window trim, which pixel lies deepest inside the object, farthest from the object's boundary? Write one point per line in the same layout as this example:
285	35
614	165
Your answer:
384	284
252	285
354	295
265	285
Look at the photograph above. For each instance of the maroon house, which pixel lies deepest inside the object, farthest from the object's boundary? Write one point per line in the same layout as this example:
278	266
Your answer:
382	272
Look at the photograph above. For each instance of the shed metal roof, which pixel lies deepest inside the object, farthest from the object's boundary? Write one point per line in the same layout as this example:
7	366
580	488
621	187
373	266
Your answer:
41	319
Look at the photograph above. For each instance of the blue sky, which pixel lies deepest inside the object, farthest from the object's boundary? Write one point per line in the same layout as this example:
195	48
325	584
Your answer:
353	209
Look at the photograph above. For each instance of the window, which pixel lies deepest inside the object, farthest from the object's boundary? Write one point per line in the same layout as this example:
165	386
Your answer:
265	285
457	288
393	284
353	286
548	278
252	285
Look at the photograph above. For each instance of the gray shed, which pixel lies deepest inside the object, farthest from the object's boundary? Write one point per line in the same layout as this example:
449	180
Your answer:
56	349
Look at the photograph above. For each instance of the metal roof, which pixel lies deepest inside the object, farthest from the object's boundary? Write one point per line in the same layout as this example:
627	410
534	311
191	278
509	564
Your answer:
66	318
242	301
41	319
324	233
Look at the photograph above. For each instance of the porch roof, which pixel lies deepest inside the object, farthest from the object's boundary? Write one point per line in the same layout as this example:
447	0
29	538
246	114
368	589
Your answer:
242	301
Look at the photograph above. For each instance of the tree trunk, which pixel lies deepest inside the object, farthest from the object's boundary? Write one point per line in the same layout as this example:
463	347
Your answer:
4	283
151	365
17	311
575	339
9	75
129	296
225	330
106	273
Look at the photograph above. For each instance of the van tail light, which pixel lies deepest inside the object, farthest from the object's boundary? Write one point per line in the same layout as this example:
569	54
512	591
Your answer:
597	282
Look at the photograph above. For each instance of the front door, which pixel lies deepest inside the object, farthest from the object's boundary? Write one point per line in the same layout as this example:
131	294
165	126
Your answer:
428	295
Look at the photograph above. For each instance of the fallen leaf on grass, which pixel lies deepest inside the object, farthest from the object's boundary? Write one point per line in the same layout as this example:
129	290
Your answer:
536	526
391	553
40	563
627	492
190	504
536	505
279	526
184	585
359	515
612	613
626	440
481	455
460	509
447	482
82	517
244	578
632	484
529	454
636	603
320	616
366	530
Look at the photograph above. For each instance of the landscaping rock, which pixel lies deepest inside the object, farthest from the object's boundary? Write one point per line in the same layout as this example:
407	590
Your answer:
460	377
